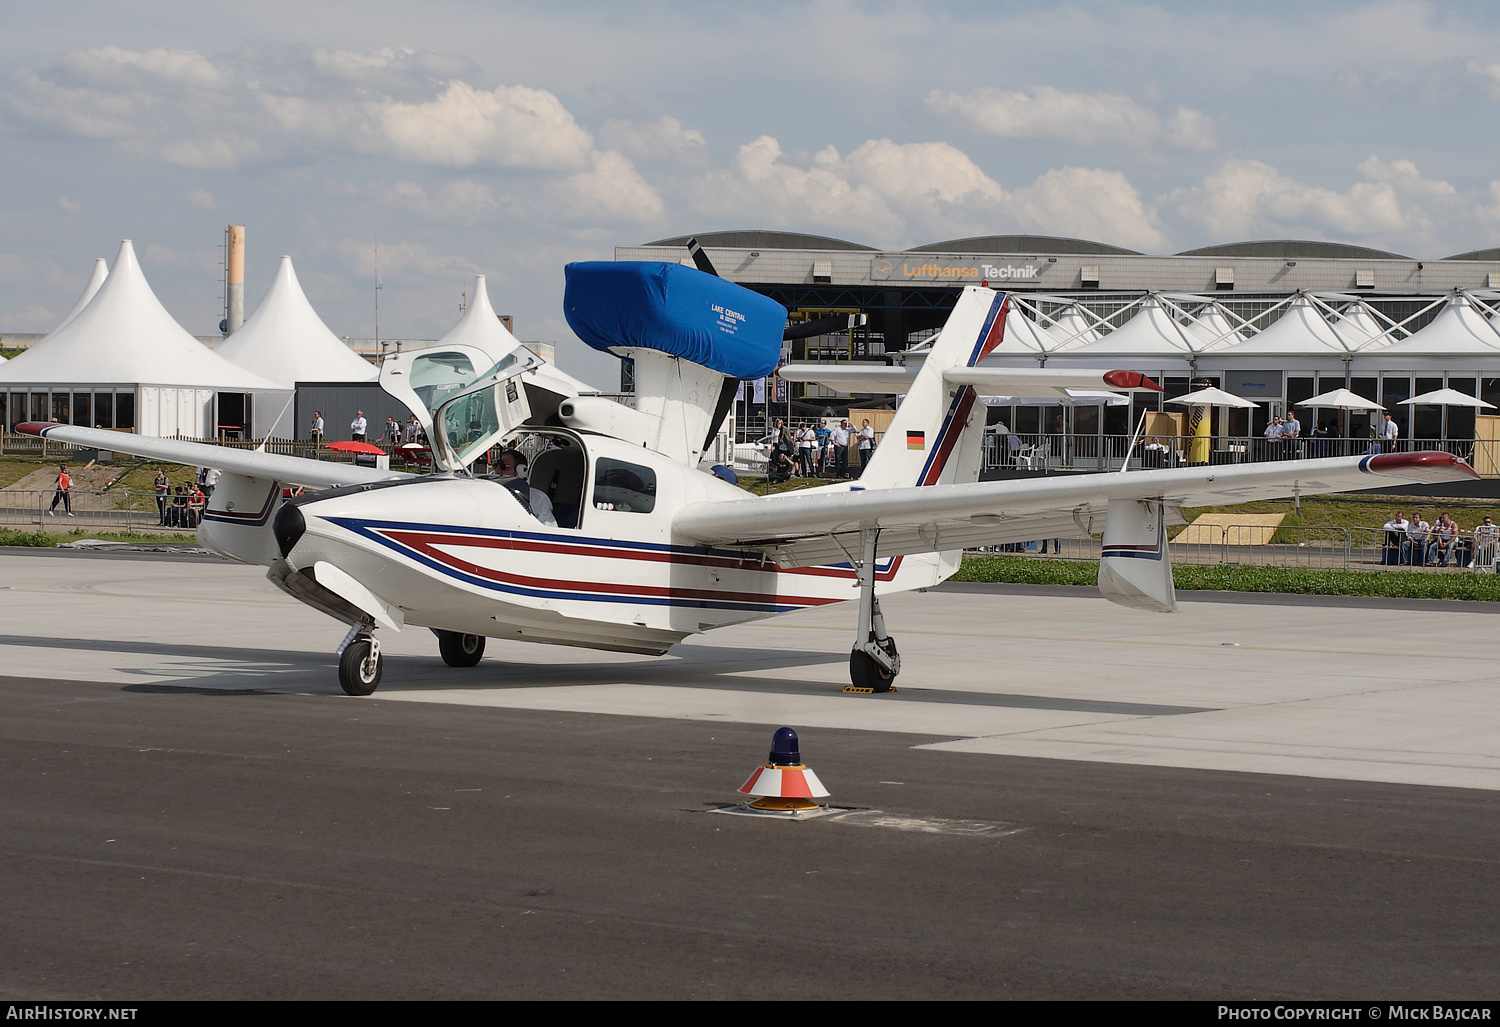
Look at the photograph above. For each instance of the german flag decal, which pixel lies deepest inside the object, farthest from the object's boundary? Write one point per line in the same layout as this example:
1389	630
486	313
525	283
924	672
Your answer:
916	440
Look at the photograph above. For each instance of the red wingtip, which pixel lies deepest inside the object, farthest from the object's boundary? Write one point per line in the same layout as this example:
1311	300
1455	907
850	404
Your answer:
1130	380
1443	466
33	427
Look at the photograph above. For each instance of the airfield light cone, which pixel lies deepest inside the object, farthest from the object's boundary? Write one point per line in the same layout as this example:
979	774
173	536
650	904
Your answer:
783	784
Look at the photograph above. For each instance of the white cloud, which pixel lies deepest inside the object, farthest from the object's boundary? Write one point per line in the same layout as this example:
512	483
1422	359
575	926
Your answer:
892	193
460	199
202	199
612	189
1049	114
1090	204
71	206
509	126
1248	198
179	107
663	140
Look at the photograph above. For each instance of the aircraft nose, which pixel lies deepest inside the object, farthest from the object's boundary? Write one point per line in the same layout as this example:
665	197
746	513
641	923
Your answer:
288	527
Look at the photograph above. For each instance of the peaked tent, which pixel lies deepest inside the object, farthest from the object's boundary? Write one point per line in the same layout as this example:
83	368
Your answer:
1213	329
101	272
1153	335
123	362
1302	335
481	327
1023	336
286	342
1459	330
1073	328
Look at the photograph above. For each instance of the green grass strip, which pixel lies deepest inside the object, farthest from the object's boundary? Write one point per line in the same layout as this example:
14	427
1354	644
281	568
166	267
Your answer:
1294	580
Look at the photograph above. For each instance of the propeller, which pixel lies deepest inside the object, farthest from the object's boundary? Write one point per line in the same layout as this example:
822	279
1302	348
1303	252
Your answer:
805	330
700	258
824	326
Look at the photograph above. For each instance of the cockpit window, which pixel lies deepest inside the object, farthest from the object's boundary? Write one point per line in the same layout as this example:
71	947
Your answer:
436	377
629	488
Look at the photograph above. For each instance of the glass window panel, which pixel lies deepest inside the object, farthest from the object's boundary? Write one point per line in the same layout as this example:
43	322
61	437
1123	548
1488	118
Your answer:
104	409
17	409
1298	388
1392	391
83	409
125	410
60	407
1028	420
1464	385
39	406
5	418
1369	388
628	488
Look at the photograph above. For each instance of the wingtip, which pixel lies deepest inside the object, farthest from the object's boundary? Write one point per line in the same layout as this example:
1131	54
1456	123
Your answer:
1131	380
33	427
1429	465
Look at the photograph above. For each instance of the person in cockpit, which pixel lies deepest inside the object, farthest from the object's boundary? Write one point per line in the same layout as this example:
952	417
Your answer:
513	466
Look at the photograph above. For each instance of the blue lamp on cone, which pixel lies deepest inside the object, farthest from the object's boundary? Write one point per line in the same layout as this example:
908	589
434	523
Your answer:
784	784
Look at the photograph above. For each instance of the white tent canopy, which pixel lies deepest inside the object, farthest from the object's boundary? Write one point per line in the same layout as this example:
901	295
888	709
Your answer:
1071	327
1459	330
1301	331
124	338
1152	332
1022	333
1213	329
479	325
101	272
286	342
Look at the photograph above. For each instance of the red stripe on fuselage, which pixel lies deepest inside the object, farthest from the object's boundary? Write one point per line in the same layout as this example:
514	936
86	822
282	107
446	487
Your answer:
600	552
953	430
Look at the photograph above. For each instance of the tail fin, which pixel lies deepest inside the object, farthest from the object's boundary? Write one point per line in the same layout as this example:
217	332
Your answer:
937	435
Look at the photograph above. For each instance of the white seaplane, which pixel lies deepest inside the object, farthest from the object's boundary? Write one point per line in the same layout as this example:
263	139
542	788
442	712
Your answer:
636	547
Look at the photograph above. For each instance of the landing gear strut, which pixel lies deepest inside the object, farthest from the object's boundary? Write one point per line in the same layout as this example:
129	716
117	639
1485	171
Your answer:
459	650
874	661
360	664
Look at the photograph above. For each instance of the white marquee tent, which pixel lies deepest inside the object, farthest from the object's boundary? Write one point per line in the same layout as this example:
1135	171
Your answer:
123	362
101	272
1459	331
286	342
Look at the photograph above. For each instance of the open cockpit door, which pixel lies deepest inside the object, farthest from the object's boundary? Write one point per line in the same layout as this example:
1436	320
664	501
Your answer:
473	419
423	380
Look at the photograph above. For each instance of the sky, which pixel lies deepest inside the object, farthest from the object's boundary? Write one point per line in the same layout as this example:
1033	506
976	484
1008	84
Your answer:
510	139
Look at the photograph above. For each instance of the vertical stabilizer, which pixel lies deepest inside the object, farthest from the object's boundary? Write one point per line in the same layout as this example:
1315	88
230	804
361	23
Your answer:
937	435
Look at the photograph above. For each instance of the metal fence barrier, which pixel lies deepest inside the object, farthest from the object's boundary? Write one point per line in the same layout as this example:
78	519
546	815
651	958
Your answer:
117	509
1327	547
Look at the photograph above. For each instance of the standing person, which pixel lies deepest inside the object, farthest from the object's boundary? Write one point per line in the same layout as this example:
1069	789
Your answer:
866	437
839	437
1291	434
785	442
1486	537
210	481
317	428
359	428
1390	431
807	447
64	483
162	487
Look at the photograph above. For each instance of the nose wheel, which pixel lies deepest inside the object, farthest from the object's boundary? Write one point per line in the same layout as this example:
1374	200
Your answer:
360	666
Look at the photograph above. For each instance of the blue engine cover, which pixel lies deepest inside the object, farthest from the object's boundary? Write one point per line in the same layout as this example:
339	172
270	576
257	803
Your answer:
677	310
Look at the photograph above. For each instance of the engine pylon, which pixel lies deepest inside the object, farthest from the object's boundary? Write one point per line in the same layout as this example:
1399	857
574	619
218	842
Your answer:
783	784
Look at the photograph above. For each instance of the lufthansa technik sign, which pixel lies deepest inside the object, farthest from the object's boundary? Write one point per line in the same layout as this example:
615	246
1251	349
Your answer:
885	269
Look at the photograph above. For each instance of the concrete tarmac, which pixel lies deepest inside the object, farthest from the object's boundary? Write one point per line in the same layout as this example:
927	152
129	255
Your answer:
1064	799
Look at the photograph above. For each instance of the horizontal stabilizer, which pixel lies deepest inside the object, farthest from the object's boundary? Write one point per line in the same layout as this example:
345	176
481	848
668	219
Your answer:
880	379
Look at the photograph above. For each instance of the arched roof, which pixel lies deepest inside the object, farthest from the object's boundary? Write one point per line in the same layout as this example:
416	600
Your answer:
1492	253
1021	244
762	239
1293	249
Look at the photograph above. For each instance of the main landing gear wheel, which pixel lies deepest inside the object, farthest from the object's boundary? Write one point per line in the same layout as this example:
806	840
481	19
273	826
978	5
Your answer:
866	672
360	666
460	650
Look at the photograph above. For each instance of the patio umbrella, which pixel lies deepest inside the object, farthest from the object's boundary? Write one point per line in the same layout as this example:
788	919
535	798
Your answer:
1447	398
1343	399
1212	397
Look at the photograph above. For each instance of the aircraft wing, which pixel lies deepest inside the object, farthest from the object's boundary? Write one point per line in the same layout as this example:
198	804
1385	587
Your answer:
291	470
799	529
989	381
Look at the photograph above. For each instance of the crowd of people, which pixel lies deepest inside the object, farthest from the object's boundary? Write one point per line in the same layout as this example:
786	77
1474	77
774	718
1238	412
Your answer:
814	450
1443	543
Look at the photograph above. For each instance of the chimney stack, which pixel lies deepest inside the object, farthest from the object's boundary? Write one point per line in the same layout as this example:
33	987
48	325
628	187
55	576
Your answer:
235	300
